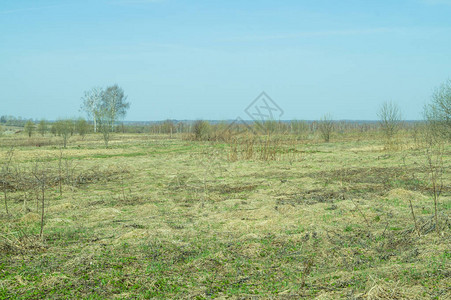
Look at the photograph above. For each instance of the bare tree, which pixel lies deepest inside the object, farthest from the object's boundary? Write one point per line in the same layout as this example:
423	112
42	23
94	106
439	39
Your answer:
325	127
390	120
435	137
92	101
438	112
168	126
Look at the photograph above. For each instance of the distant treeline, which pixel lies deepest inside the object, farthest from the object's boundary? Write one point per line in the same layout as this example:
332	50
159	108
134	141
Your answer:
186	126
13	121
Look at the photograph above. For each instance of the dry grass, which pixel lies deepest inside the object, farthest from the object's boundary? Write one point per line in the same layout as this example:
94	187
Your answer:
167	218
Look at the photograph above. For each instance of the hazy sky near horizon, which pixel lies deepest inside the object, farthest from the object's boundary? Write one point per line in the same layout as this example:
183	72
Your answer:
210	59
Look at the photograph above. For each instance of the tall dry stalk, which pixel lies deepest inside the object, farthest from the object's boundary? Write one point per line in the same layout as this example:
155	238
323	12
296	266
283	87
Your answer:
41	178
410	200
435	168
233	154
60	172
414	218
6	170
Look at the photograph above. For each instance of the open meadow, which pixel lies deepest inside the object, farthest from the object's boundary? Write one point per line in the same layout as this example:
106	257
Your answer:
160	217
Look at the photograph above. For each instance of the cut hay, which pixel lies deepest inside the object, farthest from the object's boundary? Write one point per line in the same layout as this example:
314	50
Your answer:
60	207
405	195
30	217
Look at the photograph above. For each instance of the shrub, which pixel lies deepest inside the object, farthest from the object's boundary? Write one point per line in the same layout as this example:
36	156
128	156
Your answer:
438	112
42	127
201	130
82	127
325	127
64	128
390	121
29	128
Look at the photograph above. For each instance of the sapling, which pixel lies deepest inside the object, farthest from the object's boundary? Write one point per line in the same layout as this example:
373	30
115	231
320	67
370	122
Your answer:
41	179
6	168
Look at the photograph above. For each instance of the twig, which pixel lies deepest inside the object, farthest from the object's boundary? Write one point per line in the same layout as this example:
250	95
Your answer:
363	215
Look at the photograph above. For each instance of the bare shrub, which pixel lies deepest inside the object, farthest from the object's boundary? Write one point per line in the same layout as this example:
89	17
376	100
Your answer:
390	121
201	130
40	173
268	127
248	147
65	129
82	127
435	167
417	129
5	173
17	241
438	112
300	128
325	127
168	127
436	135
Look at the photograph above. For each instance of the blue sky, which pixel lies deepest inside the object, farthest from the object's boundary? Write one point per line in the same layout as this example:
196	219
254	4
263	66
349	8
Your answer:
210	59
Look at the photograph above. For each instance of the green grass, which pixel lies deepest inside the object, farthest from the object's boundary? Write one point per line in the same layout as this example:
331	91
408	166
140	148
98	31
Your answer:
285	228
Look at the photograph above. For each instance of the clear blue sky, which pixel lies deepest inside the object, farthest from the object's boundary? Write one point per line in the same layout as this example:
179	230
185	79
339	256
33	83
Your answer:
210	59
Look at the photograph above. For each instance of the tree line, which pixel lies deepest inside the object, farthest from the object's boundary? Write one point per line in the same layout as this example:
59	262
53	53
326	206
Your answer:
106	106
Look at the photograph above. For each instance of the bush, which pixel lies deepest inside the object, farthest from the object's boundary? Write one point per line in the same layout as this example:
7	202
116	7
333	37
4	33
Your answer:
42	127
64	128
438	112
29	128
82	127
300	128
201	130
325	127
390	121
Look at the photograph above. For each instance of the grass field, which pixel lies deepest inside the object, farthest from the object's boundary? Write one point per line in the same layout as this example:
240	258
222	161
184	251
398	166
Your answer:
154	217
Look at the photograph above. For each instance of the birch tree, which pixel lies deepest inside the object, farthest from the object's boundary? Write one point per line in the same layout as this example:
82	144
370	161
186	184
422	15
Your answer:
113	107
92	103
